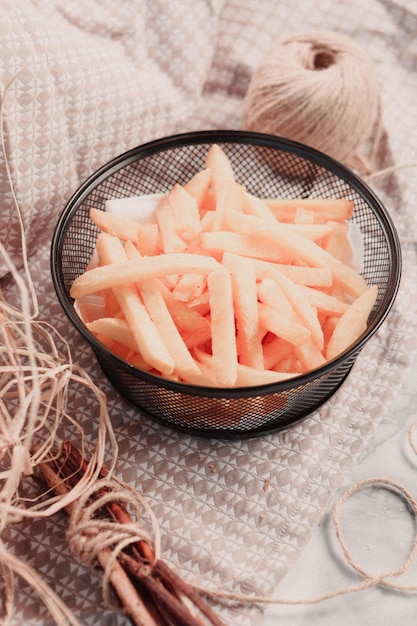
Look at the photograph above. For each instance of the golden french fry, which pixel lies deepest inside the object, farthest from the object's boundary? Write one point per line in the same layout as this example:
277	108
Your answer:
301	248
245	302
219	165
244	244
257	207
147	337
170	239
296	298
339	209
127	272
114	328
185	213
198	187
325	303
148	240
309	355
284	327
184	364
120	227
223	339
352	323
229	199
249	376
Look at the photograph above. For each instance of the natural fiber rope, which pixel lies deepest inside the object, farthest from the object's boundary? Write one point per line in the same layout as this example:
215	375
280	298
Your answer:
368	580
318	88
89	535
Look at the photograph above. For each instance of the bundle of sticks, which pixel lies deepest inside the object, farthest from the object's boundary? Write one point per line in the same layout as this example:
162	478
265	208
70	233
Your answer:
148	591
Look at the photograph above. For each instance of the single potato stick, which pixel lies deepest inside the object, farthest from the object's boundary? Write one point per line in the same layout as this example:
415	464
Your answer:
147	337
246	245
339	209
282	326
184	364
185	213
223	339
219	165
309	355
301	248
170	239
186	318
298	274
198	186
120	227
249	376
245	301
300	304
123	273
229	198
352	323
252	205
116	329
325	303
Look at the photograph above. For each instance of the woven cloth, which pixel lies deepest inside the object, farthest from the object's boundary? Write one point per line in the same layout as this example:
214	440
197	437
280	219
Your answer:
84	82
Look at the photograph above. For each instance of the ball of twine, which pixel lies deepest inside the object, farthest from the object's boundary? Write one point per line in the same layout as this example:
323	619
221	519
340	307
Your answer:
317	88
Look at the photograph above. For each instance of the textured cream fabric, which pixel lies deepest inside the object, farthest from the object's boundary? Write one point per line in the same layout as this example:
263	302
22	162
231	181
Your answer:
92	79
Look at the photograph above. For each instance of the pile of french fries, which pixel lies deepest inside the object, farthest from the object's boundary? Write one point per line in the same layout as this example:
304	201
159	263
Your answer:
222	288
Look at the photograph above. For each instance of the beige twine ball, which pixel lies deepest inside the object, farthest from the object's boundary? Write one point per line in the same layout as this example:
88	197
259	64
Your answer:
317	88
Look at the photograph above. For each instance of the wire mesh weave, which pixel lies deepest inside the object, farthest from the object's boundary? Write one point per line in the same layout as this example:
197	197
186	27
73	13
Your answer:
268	167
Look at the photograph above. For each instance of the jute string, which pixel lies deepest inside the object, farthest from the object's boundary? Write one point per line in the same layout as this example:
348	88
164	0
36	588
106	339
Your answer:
318	88
88	536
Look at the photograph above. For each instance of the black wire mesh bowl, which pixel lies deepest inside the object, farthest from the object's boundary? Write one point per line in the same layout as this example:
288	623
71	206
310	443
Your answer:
268	166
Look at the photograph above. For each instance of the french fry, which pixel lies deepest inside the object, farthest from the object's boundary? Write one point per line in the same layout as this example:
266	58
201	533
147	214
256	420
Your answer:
186	318
245	302
127	272
249	376
185	213
120	227
299	247
277	313
147	337
219	165
352	323
148	240
229	199
252	205
115	329
198	187
298	274
223	338
296	298
170	239
325	303
184	364
323	208
284	327
244	244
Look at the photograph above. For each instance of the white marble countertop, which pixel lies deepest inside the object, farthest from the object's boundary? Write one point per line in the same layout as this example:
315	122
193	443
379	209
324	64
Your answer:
378	529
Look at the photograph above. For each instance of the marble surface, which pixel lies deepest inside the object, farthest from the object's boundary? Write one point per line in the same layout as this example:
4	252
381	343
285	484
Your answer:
378	529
